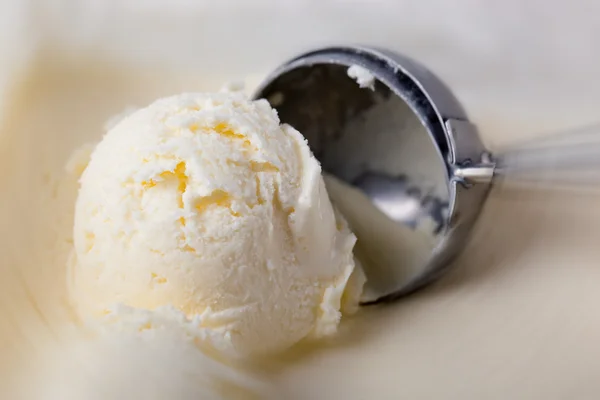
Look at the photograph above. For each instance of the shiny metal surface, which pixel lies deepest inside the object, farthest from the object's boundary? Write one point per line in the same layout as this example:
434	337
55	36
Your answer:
403	163
406	145
568	159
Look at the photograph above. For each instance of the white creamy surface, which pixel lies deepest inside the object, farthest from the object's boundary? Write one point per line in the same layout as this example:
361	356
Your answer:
206	203
517	318
362	76
391	254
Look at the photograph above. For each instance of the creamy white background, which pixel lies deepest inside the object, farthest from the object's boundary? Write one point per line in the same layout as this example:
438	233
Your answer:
517	318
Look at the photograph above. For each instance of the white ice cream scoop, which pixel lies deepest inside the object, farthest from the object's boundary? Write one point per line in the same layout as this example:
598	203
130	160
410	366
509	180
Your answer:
408	169
203	211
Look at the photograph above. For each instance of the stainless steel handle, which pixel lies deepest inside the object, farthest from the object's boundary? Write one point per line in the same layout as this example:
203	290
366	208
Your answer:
569	158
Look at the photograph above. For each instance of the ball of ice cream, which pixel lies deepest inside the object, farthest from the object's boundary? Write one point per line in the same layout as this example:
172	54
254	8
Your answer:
205	203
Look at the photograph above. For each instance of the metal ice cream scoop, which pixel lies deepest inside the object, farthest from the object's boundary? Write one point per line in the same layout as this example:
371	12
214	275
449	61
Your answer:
402	161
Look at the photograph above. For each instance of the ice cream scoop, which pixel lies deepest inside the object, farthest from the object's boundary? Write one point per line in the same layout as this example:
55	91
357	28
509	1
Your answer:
206	205
411	173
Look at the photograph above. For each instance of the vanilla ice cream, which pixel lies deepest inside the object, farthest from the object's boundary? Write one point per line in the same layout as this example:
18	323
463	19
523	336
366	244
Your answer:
206	204
362	76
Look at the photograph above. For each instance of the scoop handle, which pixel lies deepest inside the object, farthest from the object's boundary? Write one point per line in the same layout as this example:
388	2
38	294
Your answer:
567	159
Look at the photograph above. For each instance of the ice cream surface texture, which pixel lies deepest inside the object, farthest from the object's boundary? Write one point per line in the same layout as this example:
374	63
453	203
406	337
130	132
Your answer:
206	204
